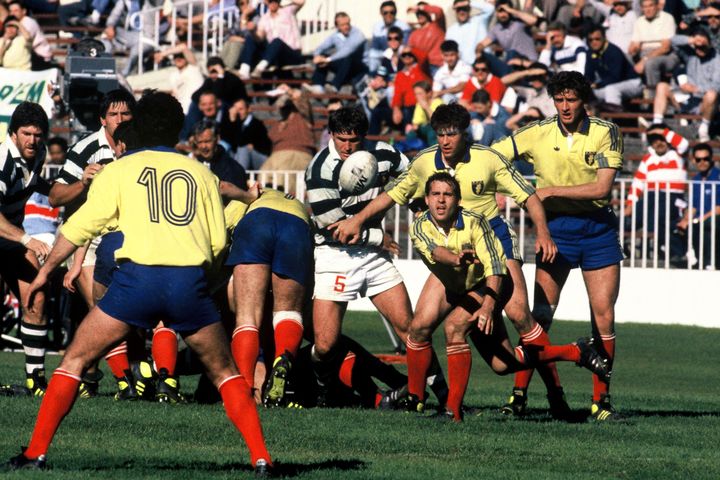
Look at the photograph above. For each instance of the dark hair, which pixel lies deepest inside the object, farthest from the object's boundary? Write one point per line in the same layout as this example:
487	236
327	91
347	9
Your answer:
449	46
574	81
158	119
340	15
348	120
204	124
396	30
557	26
206	91
701	32
29	114
127	133
595	28
119	95
702	146
444	177
480	96
58	141
388	3
481	59
10	18
212	61
655	137
500	3
453	116
424	84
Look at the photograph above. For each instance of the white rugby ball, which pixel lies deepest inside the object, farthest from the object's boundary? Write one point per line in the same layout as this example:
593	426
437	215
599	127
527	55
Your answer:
358	172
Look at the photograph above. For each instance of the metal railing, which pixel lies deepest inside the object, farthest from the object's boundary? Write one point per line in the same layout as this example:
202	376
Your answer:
644	247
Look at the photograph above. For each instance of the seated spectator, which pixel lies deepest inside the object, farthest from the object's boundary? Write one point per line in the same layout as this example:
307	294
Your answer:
563	52
535	103
487	119
661	170
246	135
41	51
482	79
206	148
379	43
275	41
15	45
235	38
123	35
704	208
428	36
403	100
650	44
215	7
512	32
698	88
619	21
424	108
226	85
341	53
707	18
612	76
187	76
469	30
449	81
209	107
293	141
390	62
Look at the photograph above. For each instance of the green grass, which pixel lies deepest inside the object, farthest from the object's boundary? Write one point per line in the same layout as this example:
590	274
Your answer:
666	380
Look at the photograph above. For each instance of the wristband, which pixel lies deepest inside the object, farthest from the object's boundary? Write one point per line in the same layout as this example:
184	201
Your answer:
25	239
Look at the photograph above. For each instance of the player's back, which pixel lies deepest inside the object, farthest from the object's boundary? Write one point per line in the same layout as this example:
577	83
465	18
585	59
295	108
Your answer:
167	205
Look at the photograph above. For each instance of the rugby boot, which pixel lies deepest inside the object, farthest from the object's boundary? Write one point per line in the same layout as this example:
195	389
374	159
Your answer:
276	389
517	404
411	403
168	389
391	398
592	360
36	382
15	391
559	408
263	469
144	380
603	411
21	462
90	384
126	387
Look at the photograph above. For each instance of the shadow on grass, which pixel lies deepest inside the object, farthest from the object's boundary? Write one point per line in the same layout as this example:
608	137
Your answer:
282	469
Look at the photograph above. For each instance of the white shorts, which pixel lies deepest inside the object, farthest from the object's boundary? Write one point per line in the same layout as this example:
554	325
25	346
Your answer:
343	274
90	258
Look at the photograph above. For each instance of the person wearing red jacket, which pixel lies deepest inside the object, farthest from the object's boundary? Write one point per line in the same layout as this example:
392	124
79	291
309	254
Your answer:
429	34
403	102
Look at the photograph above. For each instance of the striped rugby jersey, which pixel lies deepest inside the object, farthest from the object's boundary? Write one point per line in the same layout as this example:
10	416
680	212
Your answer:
329	204
18	180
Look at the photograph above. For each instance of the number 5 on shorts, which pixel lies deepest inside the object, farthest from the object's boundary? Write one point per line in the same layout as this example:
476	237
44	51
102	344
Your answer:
340	283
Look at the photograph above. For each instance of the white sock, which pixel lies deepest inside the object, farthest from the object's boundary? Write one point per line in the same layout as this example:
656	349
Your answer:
244	71
95	16
261	66
657	118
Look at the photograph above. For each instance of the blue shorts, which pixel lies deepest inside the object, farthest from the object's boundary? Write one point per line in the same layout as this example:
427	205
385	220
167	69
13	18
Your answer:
143	295
589	241
502	231
270	237
105	263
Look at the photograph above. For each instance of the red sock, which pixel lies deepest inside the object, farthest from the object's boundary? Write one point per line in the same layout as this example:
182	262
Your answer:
164	349
58	401
538	337
601	388
245	350
346	370
242	412
288	332
117	360
419	356
459	363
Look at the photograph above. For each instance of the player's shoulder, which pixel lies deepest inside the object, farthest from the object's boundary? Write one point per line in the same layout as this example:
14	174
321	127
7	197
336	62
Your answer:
600	123
319	163
89	141
543	124
472	218
478	150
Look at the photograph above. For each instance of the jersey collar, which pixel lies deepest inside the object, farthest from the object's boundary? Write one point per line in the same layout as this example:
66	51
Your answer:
440	164
459	222
584	125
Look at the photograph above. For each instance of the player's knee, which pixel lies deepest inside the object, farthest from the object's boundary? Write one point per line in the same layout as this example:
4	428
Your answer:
500	367
419	333
544	313
455	331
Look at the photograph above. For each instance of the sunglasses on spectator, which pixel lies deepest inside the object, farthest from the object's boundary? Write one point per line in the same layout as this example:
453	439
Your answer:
407	54
481	69
703	159
388	12
462	9
713	16
393	37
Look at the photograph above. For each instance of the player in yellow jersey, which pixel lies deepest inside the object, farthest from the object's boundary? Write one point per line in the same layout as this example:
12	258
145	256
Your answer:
169	208
471	268
271	250
482	173
576	158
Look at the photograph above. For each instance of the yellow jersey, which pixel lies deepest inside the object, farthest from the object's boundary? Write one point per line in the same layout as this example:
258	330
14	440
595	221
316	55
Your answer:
561	160
167	205
272	199
470	231
481	174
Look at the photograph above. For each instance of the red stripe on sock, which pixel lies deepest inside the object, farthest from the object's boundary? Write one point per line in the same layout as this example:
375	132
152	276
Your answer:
117	360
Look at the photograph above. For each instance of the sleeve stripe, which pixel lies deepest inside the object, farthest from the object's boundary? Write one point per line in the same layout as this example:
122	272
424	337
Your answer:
328	218
498	266
320	194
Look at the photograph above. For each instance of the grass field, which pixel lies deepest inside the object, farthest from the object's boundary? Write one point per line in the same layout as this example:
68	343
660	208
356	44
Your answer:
666	380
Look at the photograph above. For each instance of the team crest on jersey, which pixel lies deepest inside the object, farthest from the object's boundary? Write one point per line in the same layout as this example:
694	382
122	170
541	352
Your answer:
478	187
590	158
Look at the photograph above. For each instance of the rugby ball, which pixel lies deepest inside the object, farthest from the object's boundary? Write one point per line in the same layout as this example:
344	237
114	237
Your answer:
358	173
